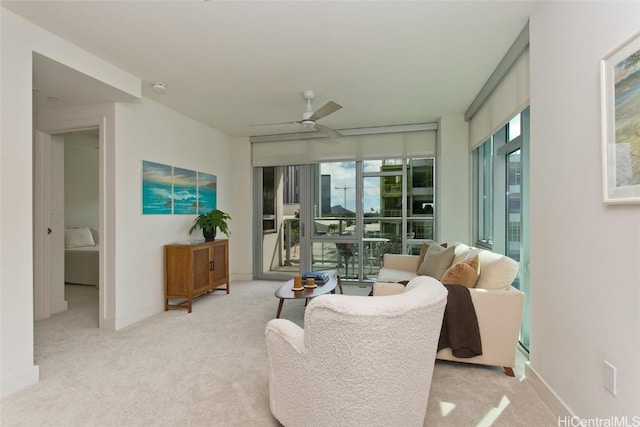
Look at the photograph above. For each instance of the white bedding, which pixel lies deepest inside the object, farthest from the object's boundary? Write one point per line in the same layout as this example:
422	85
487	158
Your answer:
81	265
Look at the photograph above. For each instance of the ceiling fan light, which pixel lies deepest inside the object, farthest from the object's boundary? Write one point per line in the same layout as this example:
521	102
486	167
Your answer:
308	123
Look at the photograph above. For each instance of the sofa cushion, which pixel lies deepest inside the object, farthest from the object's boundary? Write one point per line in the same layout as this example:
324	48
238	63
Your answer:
78	238
464	273
436	261
461	252
425	247
393	275
496	271
464	252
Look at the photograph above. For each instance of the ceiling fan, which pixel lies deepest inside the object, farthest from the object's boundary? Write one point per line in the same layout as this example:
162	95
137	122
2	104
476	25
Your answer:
310	118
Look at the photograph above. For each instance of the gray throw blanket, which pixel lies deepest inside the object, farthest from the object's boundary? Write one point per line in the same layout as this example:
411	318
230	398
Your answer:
460	329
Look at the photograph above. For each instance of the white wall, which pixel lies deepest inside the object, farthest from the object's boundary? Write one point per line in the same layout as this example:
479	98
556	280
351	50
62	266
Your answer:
585	256
452	180
150	131
241	242
19	39
81	184
134	242
16	276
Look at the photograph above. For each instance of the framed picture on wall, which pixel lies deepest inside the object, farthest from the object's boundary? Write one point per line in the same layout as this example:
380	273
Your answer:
207	192
620	89
157	188
185	191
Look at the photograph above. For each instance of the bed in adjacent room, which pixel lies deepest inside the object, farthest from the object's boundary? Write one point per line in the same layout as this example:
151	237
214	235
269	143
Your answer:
81	256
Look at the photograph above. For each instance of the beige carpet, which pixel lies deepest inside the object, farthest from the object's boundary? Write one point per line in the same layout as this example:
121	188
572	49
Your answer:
209	368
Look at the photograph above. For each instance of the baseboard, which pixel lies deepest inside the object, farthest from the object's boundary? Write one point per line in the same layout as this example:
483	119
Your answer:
20	381
240	278
138	315
59	306
546	393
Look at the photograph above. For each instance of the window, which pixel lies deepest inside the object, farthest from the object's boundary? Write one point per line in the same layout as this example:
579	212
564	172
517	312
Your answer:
420	209
269	200
514	128
501	217
483	158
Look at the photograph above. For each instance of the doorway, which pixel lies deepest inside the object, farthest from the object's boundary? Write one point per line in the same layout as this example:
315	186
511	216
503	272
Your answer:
81	207
51	218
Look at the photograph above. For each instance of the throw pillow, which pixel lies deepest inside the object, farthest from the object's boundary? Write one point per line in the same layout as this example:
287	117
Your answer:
424	248
77	238
95	234
464	273
437	260
498	271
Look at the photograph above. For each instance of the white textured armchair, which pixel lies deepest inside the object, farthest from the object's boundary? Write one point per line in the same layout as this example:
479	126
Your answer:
359	360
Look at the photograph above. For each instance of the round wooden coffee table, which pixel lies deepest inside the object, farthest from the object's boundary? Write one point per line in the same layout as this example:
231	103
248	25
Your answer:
285	291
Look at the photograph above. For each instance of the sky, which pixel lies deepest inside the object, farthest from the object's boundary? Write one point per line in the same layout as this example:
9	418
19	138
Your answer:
343	174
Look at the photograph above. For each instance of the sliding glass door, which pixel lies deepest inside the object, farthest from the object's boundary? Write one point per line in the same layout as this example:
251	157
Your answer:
278	224
335	225
342	215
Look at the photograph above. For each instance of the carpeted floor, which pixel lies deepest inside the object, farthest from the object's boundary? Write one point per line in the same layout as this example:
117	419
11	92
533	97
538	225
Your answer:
209	368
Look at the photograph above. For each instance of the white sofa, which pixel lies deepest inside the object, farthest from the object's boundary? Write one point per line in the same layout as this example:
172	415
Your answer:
498	305
359	361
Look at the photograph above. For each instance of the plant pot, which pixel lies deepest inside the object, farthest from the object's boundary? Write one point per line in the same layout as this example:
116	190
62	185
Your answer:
209	236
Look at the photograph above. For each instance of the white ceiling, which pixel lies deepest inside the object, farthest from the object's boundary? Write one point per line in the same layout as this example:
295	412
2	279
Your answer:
231	64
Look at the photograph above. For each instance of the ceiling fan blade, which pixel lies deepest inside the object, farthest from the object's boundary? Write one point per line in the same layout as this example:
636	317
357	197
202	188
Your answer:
325	110
327	131
282	123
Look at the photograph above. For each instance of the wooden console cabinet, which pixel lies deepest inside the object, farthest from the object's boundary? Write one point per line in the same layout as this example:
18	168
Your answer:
194	269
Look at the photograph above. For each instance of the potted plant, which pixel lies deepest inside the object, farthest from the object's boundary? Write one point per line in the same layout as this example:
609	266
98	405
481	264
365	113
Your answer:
210	222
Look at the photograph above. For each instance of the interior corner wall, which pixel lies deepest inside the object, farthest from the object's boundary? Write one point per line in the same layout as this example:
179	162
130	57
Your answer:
19	39
585	269
16	260
241	226
453	194
150	131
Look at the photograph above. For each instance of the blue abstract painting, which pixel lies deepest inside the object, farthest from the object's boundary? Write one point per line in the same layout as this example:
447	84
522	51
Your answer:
185	191
157	188
207	192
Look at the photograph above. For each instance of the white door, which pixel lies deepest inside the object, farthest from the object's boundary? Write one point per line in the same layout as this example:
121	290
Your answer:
56	221
41	226
48	227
